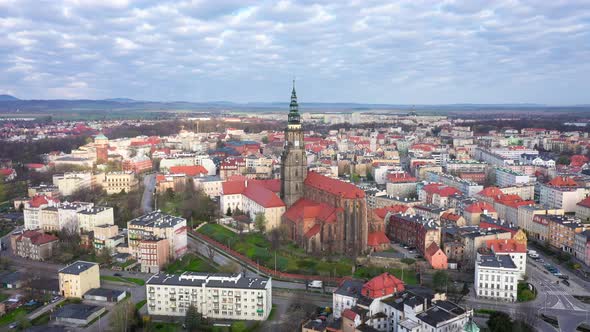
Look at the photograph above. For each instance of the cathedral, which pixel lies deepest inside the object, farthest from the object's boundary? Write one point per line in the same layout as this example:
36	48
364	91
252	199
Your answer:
323	214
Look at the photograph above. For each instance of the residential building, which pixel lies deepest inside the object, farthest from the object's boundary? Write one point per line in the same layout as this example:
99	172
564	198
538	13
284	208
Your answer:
400	184
506	177
107	236
216	296
78	278
583	210
94	216
68	183
496	277
517	252
526	214
153	254
562	232
581	246
436	257
33	245
49	190
473	212
413	231
562	193
157	225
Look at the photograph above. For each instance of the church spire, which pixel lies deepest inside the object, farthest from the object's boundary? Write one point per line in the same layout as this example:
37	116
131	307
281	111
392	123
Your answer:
294	107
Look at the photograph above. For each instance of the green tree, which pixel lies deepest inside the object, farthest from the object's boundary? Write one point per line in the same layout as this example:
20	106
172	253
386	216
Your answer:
23	322
440	280
563	160
265	139
192	319
239	327
260	222
499	322
228	212
3	195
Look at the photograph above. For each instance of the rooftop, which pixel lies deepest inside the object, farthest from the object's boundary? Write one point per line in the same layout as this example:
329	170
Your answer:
77	267
217	280
496	261
157	219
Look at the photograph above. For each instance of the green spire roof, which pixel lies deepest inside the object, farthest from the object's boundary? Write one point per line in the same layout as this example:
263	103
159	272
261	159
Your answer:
294	107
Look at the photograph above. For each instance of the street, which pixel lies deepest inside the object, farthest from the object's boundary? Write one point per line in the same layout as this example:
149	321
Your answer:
147	198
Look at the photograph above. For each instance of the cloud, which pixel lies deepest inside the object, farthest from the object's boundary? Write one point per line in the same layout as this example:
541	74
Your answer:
374	51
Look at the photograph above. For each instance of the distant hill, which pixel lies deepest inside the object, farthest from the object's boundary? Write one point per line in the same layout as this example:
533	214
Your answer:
7	98
121	100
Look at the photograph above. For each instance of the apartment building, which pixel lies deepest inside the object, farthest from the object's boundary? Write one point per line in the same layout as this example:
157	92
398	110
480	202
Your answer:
512	248
526	214
93	216
157	225
68	183
582	247
583	210
506	177
562	193
413	230
33	245
154	254
78	278
562	232
107	236
216	296
496	277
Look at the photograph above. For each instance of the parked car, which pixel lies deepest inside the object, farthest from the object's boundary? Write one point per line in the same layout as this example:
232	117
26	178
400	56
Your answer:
118	275
563	276
565	282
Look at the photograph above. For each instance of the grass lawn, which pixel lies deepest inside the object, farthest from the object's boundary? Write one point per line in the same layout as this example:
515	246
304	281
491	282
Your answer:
140	304
3	297
191	263
409	276
41	320
136	281
11	316
289	258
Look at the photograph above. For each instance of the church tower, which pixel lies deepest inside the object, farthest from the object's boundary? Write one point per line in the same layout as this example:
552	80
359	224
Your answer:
293	159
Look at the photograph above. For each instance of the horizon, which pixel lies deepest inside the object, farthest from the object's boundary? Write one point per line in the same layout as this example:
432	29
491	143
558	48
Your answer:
372	52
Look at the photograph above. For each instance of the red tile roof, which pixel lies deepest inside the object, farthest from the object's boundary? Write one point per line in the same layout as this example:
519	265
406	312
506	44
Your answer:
585	202
563	181
578	160
189	170
506	246
479	207
313	231
37	238
431	250
382	212
440	189
233	187
333	186
376	239
450	216
6	171
491	192
39	200
400	177
307	209
349	314
262	196
34	166
382	285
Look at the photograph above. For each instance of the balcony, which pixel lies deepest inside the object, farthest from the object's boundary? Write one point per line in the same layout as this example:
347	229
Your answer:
260	296
173	299
152	290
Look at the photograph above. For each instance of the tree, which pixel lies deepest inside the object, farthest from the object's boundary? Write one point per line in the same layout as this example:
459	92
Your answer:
499	322
260	222
440	279
563	160
265	139
192	319
228	212
123	317
105	256
23	322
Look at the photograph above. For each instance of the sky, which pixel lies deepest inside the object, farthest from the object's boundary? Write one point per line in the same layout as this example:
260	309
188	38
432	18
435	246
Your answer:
366	51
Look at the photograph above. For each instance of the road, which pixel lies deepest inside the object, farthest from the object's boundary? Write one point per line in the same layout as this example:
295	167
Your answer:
553	300
149	183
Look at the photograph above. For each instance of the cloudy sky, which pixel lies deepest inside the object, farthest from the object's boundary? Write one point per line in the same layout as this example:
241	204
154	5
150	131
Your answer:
371	51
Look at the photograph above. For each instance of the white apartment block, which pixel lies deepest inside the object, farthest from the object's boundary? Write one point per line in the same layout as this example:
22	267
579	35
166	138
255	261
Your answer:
561	197
216	296
68	183
506	177
94	216
496	277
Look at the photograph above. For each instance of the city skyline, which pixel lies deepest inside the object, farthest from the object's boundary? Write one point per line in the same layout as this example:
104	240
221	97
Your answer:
241	51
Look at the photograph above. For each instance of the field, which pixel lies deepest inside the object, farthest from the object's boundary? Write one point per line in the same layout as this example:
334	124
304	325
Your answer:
290	258
136	281
190	263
